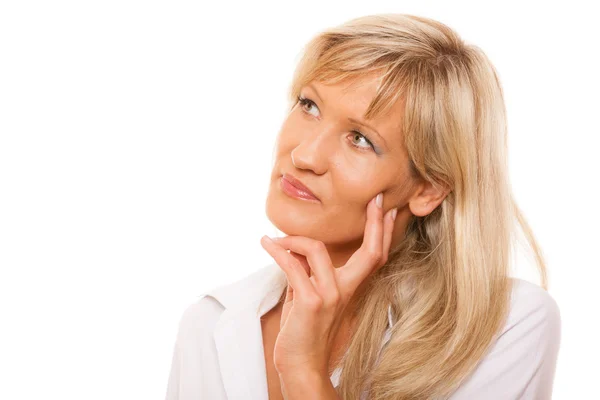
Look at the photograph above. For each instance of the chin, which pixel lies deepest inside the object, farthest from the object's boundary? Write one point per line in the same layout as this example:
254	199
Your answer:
293	216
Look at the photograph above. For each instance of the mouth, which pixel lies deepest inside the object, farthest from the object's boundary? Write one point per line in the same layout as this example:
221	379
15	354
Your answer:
294	188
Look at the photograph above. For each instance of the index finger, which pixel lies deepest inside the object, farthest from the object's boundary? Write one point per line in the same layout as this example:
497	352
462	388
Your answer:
370	253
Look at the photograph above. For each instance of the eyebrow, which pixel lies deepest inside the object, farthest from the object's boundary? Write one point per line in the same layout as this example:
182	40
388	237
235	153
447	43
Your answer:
353	120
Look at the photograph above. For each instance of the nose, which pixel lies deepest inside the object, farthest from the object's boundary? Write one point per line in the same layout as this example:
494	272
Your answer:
314	152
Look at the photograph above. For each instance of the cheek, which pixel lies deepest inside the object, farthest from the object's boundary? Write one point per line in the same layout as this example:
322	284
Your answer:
292	128
356	183
287	139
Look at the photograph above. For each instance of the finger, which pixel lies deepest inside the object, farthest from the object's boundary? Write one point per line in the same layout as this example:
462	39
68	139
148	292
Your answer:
305	265
293	269
318	259
388	230
289	292
301	259
369	255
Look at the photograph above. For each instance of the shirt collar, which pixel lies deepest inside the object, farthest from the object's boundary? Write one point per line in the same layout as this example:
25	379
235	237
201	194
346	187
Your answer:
258	292
267	282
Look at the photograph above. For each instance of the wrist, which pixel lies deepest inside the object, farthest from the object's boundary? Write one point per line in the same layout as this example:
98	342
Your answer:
303	384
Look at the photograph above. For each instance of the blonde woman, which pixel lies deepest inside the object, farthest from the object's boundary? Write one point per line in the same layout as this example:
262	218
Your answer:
391	184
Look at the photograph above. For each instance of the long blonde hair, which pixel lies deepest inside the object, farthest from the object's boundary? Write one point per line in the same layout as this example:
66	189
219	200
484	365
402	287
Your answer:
448	281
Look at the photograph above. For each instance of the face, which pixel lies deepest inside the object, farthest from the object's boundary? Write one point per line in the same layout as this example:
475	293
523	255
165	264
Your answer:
345	161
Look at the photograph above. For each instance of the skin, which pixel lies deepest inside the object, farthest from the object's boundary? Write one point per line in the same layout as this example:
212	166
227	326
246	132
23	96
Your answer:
344	171
317	146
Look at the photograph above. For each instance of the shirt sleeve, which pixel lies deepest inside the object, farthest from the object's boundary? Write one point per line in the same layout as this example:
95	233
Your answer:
521	363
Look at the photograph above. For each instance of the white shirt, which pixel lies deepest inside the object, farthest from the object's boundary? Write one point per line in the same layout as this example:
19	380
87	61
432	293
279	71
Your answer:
219	354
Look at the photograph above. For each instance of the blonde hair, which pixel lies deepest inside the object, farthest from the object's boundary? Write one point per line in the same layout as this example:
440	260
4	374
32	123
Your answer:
448	280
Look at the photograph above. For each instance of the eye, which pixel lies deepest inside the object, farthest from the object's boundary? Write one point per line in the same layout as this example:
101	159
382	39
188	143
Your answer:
304	102
357	134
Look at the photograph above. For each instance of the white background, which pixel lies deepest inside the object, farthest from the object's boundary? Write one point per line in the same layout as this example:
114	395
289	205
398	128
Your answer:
136	142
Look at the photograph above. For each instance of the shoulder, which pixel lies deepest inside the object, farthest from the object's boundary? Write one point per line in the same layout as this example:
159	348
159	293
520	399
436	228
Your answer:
198	317
532	308
533	326
521	362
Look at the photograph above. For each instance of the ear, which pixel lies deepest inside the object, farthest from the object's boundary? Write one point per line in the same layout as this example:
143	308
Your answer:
426	198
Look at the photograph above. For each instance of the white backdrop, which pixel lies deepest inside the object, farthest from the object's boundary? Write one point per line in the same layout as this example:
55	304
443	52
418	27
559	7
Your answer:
135	149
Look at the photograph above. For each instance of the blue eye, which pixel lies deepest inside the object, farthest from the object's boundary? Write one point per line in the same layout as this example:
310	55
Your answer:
304	102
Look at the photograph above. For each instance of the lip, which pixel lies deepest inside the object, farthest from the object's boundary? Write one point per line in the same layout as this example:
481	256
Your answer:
295	188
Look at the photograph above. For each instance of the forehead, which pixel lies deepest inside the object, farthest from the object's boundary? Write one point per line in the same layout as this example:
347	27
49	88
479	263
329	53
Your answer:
359	91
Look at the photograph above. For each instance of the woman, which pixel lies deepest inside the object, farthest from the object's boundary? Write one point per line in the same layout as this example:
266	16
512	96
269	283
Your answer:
391	184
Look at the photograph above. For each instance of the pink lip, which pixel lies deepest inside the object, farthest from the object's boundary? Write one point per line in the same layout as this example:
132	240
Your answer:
294	188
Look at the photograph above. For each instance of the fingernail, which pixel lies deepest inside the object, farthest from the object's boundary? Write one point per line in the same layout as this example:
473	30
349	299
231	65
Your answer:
394	212
268	238
379	200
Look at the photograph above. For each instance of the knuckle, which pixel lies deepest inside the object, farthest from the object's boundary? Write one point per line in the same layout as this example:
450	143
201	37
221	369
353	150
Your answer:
279	364
314	303
335	297
375	256
318	246
294	264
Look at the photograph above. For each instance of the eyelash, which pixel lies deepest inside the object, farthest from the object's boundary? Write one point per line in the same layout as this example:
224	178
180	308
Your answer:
304	101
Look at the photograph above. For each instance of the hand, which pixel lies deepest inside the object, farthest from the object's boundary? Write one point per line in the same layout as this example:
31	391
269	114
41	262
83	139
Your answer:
313	305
